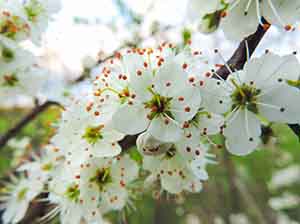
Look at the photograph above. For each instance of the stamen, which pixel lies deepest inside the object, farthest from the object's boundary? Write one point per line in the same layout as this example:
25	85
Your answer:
247	7
247	126
238	87
270	106
276	13
258	12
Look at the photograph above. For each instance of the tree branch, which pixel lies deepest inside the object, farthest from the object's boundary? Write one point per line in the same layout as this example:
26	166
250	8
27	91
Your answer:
239	57
11	133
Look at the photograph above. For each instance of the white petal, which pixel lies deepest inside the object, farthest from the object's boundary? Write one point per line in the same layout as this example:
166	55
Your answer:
141	78
243	137
266	70
169	79
282	104
186	103
289	12
210	123
237	25
170	179
125	169
105	149
130	119
151	163
190	149
118	194
165	129
111	135
215	96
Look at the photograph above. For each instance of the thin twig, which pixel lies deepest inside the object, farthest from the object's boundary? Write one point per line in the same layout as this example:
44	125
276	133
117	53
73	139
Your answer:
239	57
11	133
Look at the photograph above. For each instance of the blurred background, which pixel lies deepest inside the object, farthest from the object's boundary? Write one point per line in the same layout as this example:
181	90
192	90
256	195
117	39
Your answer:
263	187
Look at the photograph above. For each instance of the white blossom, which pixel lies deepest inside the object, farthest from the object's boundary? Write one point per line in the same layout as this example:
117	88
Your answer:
16	197
151	91
82	134
42	167
107	181
243	17
13	22
181	168
257	95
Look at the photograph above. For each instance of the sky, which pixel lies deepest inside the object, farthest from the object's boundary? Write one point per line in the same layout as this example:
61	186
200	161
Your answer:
72	42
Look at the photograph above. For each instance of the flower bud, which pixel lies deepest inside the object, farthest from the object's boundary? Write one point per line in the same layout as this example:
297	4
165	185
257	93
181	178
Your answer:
148	145
210	22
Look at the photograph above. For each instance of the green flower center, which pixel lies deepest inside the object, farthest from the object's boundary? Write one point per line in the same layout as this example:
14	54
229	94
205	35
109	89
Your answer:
245	96
7	55
47	167
92	134
11	25
159	105
22	194
10	80
73	193
101	178
33	10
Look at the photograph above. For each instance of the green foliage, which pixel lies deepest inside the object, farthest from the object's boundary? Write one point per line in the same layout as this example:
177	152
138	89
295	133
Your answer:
39	131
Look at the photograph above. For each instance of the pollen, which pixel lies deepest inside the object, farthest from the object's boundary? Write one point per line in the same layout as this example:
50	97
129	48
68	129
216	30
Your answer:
187	109
288	27
191	79
181	98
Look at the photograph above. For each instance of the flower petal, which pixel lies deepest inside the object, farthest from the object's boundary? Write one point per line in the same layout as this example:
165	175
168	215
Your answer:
215	96
105	149
268	69
130	119
243	133
169	79
165	129
186	103
237	25
281	104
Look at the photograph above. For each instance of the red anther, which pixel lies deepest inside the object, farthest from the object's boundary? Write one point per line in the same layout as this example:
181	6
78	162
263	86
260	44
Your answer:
223	14
181	98
187	109
191	79
288	27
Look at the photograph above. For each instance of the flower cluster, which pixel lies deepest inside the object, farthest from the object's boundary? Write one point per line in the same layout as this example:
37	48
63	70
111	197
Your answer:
21	21
240	18
173	102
